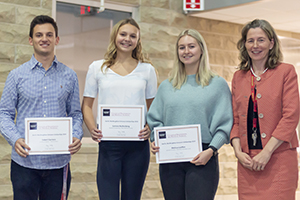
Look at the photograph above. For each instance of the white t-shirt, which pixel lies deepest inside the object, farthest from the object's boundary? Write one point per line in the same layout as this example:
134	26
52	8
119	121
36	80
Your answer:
114	89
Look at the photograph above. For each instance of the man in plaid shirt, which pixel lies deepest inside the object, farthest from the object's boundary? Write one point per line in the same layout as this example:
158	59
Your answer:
41	87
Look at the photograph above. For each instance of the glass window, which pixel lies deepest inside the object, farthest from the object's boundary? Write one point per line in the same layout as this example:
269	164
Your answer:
84	37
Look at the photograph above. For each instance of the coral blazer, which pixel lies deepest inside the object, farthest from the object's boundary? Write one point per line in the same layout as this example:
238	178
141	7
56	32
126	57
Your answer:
278	106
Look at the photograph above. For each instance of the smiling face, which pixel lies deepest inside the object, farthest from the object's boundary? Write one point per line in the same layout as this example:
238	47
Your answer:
43	40
189	52
258	45
127	38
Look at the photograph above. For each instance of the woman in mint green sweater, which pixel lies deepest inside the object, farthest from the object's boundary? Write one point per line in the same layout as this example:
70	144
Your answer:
192	95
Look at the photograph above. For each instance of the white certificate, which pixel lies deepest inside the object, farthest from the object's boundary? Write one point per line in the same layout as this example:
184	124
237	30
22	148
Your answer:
177	143
121	122
48	135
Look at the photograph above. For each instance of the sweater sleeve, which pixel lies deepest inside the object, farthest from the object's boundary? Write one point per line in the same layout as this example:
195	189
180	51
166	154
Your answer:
155	113
222	119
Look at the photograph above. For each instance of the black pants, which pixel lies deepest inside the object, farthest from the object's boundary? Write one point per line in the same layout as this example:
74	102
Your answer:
33	184
186	181
124	162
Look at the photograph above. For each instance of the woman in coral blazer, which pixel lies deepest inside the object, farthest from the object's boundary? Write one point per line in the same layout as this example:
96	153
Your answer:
265	102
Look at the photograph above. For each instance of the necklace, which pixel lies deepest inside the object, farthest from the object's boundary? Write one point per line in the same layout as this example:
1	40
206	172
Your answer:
257	77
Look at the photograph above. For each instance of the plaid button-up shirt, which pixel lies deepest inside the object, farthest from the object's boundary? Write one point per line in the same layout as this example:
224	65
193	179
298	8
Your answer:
34	92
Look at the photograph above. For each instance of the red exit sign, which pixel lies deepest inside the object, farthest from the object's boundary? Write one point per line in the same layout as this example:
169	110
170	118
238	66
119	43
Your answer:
193	4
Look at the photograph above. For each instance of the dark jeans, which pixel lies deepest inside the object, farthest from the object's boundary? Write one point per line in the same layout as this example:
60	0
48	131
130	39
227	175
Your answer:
186	181
124	162
33	184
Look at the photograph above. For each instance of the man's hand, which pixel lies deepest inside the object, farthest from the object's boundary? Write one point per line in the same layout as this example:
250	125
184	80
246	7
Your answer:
20	147
75	146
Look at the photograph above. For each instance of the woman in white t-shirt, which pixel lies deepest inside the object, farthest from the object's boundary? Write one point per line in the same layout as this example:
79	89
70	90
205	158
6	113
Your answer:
122	78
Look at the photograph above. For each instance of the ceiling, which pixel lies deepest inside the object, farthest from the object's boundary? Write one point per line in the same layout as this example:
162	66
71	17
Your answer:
282	14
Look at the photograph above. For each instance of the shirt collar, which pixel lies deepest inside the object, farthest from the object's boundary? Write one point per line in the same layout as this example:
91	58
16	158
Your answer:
34	63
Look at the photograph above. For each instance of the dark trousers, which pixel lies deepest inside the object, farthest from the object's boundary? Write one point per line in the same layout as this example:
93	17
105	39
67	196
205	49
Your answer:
124	162
186	181
33	184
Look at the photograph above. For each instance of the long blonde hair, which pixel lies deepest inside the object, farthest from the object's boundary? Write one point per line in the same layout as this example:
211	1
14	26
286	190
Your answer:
204	74
274	56
111	52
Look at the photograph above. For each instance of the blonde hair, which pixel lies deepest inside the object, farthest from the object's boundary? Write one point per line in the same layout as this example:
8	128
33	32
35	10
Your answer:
111	52
275	55
204	74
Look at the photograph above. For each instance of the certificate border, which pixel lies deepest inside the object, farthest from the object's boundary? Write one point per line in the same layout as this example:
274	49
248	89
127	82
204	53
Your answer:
28	120
165	128
114	138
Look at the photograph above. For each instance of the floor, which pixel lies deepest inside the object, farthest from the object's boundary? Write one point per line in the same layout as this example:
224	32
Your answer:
234	197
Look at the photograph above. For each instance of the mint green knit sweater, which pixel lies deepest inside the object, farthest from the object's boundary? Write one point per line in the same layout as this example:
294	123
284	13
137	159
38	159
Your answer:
209	106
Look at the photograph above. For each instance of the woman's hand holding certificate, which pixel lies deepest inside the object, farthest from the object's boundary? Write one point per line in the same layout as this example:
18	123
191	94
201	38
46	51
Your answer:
96	134
177	143
144	134
203	157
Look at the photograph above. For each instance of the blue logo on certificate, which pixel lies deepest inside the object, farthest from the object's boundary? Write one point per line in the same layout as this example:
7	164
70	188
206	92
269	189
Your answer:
106	112
33	125
162	134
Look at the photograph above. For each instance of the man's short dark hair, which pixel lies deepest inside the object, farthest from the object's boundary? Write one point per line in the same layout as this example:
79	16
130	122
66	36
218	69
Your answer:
42	19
